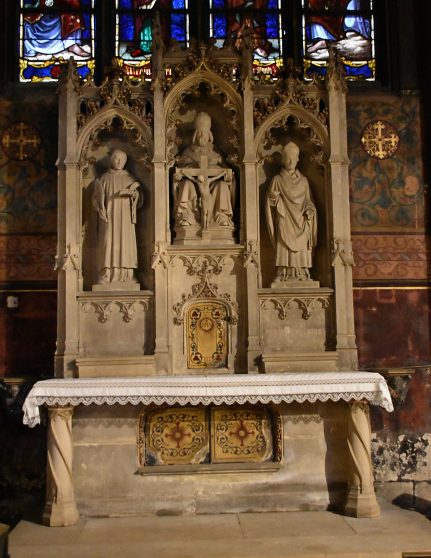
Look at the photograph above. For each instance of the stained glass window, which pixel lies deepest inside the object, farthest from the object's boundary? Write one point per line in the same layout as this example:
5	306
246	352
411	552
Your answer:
348	25
230	20
134	31
50	32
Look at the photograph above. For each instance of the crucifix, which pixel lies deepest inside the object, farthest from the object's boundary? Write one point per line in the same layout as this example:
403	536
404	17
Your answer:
204	178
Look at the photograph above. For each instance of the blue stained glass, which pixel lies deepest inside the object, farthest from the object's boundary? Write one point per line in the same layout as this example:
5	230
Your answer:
86	33
86	4
362	71
178	24
46	72
218	4
125	4
127	29
178	4
219	27
273	4
272	26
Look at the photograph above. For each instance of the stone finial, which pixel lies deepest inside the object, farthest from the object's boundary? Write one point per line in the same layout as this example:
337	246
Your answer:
69	77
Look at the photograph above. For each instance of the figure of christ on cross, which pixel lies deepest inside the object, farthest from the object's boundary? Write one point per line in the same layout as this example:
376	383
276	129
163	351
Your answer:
213	185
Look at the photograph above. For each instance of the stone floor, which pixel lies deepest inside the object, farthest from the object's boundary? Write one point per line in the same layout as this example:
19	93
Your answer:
251	535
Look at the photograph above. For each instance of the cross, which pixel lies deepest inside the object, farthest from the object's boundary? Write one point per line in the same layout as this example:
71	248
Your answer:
380	141
206	172
21	140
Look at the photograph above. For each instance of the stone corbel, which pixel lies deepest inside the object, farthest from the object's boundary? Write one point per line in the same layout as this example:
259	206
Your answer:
251	254
342	253
70	257
361	499
160	256
60	508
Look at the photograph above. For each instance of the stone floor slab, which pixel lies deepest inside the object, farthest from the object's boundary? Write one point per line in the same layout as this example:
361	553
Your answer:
270	535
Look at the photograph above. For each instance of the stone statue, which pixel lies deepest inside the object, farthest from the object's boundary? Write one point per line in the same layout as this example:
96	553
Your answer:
292	219
116	198
204	188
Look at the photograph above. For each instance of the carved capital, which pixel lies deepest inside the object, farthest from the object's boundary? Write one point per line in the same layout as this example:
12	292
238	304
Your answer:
160	256
69	259
342	253
64	413
251	254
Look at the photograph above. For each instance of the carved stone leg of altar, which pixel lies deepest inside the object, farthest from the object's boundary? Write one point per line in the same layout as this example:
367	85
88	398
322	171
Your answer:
361	498
60	507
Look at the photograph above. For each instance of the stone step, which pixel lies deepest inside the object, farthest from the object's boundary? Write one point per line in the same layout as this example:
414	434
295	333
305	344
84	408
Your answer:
249	535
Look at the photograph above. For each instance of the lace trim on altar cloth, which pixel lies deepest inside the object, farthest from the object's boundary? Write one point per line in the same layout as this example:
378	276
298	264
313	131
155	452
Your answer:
206	390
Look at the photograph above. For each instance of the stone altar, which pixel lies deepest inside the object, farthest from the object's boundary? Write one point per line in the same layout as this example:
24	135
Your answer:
208	311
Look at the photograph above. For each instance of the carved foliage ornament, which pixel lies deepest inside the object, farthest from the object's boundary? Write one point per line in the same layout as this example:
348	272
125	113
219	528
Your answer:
342	253
306	304
206	290
69	260
105	308
116	90
213	91
138	137
292	91
202	59
287	123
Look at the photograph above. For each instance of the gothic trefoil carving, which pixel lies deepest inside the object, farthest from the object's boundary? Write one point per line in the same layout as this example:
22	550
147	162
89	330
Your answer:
306	304
104	309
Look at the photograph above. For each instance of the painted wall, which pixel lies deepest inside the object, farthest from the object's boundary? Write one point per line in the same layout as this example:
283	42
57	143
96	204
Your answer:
392	296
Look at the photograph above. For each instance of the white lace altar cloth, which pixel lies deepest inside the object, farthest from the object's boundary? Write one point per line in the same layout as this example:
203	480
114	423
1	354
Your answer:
215	389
